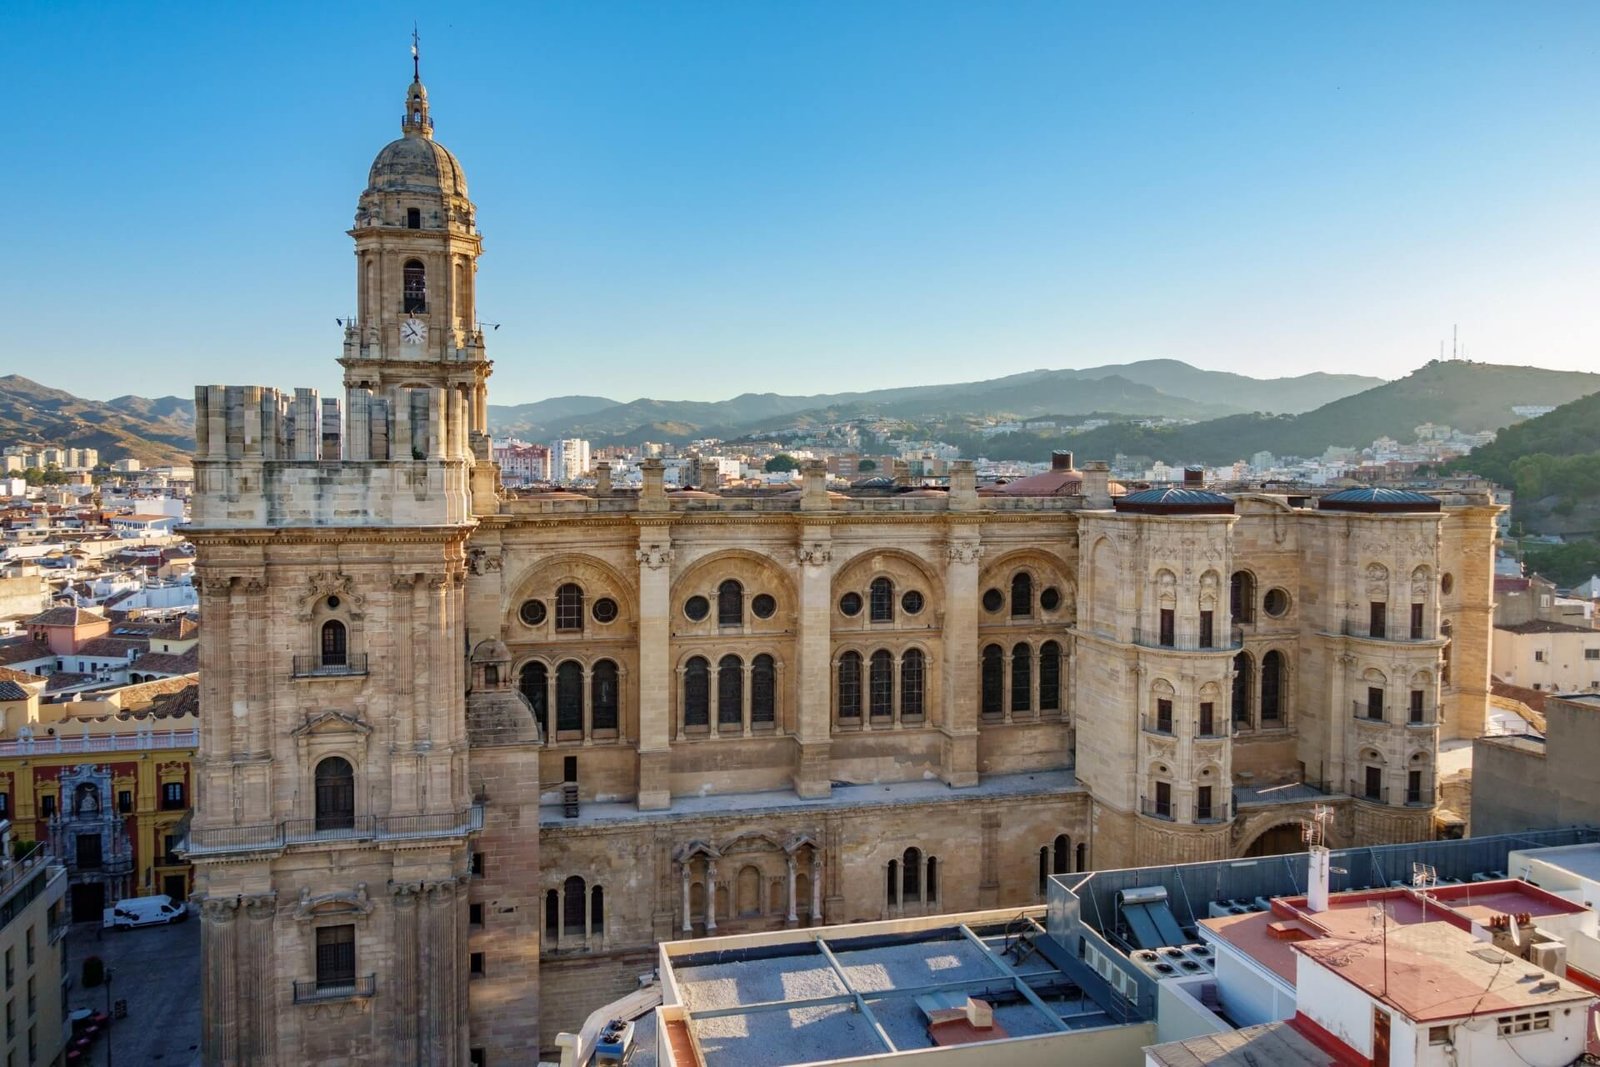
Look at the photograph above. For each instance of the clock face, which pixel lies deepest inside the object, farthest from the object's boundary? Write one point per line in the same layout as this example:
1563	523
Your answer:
413	332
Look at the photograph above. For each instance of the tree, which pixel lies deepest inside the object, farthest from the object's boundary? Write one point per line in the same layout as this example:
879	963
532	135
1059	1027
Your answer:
867	466
781	464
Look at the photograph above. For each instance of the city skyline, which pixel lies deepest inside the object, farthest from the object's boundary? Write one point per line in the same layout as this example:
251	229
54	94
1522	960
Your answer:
689	203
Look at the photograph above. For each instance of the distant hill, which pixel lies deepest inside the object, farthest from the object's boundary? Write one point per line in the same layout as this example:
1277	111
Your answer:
1147	388
1552	464
154	431
1466	396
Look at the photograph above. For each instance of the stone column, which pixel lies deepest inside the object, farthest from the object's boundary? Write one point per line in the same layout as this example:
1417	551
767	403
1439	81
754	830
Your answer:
403	991
440	969
259	674
816	888
257	971
219	979
688	918
792	916
959	718
814	721
711	896
654	555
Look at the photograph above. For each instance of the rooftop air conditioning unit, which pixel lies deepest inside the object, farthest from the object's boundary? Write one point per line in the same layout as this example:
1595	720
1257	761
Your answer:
1549	956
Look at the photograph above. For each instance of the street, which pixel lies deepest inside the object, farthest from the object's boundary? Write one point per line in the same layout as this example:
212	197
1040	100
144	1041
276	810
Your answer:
157	971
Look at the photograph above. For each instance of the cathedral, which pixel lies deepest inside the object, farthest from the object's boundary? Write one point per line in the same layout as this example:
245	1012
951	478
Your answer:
467	755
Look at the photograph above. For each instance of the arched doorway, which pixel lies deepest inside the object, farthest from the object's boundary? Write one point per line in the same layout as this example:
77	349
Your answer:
1285	837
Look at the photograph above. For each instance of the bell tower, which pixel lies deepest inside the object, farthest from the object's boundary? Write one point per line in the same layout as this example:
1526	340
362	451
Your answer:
416	247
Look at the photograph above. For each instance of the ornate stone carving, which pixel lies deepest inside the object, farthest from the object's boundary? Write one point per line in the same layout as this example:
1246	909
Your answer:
219	909
815	554
481	561
405	893
356	902
1377	577
260	905
331	583
964	552
655	556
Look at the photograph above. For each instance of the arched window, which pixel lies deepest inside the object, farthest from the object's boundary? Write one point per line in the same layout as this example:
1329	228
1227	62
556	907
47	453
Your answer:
933	879
552	916
569	697
535	685
850	685
603	695
1061	855
730	691
911	675
597	910
1242	597
335	644
1044	870
413	218
730	604
892	887
911	875
1272	672
747	892
697	692
880	685
1049	676
1083	857
993	680
416	286
881	597
1242	686
1021	677
335	794
1021	595
763	689
569	609
572	907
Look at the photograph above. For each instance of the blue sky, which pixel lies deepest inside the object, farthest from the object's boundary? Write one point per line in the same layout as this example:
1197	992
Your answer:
693	200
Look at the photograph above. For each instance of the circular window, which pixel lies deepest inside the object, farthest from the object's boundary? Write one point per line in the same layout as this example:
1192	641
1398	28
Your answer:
1447	583
850	603
912	602
993	600
333	602
763	606
1275	603
697	607
1050	599
532	612
605	609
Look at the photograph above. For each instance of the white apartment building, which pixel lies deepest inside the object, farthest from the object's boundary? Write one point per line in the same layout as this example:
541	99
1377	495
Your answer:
569	459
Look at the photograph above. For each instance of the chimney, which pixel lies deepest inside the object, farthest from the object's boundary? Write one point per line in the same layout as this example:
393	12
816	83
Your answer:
1061	460
1194	477
653	495
1097	483
814	486
602	480
963	486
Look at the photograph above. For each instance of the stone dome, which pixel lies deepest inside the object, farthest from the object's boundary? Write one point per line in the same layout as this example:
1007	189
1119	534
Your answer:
417	164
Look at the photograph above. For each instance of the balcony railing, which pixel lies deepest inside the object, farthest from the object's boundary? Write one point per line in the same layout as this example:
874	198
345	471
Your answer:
264	837
1153	725
1402	634
137	742
349	665
1232	641
28	864
313	991
1155	809
1360	791
1214	814
1368	712
1419	798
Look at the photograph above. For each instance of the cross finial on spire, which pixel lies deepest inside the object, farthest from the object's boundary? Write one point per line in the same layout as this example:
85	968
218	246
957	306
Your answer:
416	58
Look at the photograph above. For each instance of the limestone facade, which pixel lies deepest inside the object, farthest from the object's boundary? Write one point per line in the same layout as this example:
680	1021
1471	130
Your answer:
465	756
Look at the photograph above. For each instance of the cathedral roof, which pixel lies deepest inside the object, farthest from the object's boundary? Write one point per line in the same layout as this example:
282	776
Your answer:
416	163
1377	499
1173	500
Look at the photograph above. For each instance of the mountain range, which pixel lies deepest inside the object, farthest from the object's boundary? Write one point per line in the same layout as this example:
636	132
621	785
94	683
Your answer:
1157	387
1235	415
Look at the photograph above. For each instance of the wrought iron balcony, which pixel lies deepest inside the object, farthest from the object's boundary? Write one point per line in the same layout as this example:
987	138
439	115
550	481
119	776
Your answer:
276	836
1231	641
1360	791
1156	809
351	664
1401	634
1214	814
1369	712
314	991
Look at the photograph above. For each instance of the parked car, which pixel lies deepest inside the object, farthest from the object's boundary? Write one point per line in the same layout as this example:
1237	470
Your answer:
144	911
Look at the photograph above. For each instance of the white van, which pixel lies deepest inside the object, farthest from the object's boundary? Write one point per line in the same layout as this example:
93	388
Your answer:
144	911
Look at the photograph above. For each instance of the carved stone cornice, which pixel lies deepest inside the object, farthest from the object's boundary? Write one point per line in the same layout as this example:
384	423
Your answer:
343	902
815	554
655	556
964	552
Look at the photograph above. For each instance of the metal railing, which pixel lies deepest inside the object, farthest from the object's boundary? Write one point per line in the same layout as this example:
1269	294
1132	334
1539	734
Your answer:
135	742
260	837
26	865
1153	725
1214	814
1232	641
1364	711
1360	791
313	991
1402	634
350	665
1155	808
1420	798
